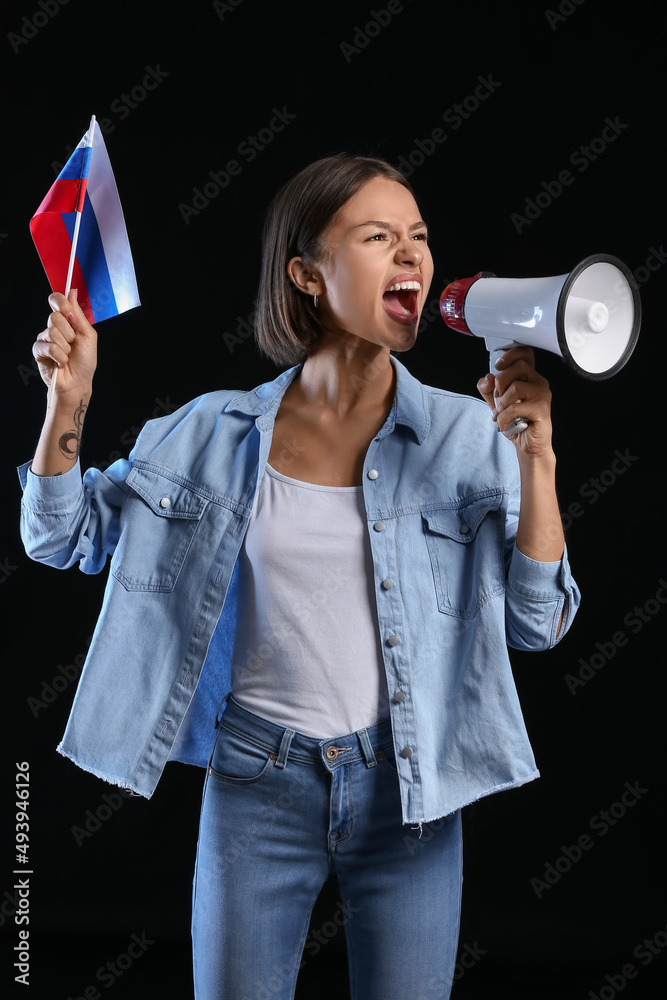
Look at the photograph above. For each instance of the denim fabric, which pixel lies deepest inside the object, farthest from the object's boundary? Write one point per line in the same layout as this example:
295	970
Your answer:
441	491
278	817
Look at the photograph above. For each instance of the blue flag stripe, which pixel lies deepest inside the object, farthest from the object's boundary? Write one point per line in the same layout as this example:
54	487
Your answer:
92	260
72	169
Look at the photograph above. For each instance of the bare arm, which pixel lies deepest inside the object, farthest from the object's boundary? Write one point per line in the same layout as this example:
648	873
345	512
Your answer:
521	391
540	531
70	344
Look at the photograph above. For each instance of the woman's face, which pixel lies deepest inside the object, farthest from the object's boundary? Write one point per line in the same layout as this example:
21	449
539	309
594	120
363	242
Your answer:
378	242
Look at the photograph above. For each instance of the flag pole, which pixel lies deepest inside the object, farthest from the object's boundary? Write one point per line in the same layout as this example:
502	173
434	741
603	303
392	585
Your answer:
75	236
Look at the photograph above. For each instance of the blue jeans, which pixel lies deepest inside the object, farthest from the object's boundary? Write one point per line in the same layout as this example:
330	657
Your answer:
281	812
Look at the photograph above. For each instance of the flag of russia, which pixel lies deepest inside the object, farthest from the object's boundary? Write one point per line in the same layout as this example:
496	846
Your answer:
103	272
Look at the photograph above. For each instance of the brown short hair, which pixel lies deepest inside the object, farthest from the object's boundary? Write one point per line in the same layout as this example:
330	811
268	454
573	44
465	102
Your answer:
287	326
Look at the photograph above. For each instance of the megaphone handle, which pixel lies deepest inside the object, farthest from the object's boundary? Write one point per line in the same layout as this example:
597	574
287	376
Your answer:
496	350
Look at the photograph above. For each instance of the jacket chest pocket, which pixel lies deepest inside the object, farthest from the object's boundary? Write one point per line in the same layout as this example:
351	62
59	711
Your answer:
465	546
158	523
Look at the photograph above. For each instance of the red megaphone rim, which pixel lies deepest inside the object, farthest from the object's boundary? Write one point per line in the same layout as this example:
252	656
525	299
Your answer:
452	302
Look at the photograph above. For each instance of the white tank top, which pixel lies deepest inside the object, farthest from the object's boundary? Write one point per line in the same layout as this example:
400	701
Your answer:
307	651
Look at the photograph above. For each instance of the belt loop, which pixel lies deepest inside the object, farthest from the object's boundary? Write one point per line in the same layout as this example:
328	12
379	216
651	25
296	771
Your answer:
218	720
364	739
285	744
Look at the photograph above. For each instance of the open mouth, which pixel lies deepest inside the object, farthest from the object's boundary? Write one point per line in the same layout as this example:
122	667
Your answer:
401	301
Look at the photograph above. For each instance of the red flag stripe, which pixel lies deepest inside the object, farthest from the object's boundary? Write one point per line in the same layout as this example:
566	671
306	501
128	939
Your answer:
55	246
62	197
82	194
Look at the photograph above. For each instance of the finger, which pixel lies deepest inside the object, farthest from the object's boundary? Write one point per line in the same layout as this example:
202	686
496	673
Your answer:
485	387
521	411
519	375
58	333
53	335
536	392
530	404
521	353
70	310
47	350
57	322
76	313
58	301
76	316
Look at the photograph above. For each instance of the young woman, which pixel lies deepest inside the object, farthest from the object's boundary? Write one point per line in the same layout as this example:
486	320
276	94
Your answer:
312	590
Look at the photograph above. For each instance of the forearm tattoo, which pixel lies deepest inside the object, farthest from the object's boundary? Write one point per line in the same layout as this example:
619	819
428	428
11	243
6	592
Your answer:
70	441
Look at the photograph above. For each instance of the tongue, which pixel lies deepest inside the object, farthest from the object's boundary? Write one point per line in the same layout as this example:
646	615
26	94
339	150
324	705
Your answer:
397	302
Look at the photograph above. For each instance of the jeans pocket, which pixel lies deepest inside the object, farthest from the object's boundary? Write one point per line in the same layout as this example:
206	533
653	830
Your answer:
239	760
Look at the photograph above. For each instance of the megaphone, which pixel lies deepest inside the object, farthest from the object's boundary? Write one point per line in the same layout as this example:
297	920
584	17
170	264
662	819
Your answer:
590	317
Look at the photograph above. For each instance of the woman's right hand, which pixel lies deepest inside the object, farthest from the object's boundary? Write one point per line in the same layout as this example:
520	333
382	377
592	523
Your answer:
68	343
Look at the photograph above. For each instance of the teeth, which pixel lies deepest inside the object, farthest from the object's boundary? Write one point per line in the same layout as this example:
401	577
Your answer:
405	286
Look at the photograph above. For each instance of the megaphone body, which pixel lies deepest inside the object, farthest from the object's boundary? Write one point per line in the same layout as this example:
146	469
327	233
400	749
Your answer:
590	317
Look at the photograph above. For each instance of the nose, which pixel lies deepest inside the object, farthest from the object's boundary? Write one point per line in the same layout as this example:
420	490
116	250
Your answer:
409	252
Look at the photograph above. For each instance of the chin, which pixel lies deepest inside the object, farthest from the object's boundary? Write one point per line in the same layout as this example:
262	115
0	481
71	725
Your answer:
405	339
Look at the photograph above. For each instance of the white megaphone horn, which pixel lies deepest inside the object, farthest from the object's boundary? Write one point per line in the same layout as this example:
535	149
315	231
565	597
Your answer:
590	317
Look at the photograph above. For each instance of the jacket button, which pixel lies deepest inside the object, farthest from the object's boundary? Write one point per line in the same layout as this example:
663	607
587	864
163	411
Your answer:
165	502
399	696
373	473
379	526
393	640
406	752
388	583
465	528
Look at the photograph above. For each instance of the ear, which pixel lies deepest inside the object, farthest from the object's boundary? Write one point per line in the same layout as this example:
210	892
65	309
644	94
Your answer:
303	277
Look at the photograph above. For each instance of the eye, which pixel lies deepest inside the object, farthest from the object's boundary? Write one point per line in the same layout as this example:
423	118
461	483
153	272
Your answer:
421	236
377	236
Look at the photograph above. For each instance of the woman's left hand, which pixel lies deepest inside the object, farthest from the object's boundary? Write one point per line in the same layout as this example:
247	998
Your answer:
519	391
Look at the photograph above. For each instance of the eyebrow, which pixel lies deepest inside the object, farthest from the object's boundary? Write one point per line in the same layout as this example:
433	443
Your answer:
387	225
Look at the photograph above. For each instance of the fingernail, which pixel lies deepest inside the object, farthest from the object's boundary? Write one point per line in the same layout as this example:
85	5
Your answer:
494	415
75	293
495	394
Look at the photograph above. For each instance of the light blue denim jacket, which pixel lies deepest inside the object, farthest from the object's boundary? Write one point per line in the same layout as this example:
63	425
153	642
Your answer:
441	491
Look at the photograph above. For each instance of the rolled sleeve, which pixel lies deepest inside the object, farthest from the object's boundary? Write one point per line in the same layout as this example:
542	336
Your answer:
50	493
65	520
538	594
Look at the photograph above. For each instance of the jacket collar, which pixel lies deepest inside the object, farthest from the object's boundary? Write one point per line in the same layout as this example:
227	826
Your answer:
409	407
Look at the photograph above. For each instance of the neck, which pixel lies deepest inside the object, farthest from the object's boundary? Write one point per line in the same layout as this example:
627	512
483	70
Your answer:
347	375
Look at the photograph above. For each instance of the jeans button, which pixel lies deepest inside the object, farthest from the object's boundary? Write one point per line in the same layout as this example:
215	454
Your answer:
332	753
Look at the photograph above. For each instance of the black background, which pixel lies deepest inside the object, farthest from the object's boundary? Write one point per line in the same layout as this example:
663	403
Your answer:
554	75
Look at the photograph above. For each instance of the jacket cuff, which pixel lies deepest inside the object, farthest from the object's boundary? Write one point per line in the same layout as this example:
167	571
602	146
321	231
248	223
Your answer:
539	581
50	493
